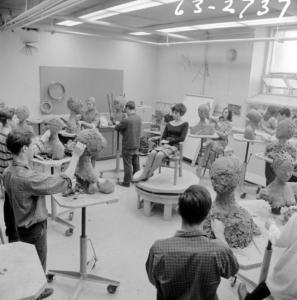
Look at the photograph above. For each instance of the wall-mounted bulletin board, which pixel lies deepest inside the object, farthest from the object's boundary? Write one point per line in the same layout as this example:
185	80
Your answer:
80	83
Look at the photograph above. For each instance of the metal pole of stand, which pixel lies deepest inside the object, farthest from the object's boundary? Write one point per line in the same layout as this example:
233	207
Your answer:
83	244
266	262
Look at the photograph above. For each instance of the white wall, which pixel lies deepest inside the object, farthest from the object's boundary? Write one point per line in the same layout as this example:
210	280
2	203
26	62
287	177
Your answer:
19	75
181	71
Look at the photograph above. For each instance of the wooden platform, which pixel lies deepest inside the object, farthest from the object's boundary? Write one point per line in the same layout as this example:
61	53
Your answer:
160	189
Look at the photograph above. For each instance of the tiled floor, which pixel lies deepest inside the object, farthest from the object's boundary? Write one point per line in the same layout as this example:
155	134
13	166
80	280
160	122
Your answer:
122	236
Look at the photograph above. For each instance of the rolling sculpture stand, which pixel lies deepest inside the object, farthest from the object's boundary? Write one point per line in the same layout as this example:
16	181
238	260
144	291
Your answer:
83	201
240	138
54	216
198	155
117	169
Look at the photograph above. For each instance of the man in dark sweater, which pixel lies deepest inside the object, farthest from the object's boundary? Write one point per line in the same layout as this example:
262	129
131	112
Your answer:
130	128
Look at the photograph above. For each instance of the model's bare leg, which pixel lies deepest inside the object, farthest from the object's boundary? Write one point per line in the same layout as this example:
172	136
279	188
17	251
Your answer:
148	165
157	162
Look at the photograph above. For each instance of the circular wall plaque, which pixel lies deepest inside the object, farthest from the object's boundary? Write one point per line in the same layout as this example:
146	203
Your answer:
56	91
46	107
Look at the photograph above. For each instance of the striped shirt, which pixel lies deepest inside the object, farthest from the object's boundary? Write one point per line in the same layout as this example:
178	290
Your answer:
5	155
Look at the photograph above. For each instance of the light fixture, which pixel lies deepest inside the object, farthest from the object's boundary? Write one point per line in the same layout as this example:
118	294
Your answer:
100	14
218	25
124	8
270	21
140	33
178	29
69	23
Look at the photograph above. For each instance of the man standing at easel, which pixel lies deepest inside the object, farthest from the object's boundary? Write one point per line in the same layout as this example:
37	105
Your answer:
130	128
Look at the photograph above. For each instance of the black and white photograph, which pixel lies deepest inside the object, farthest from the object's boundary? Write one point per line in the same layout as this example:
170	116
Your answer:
148	149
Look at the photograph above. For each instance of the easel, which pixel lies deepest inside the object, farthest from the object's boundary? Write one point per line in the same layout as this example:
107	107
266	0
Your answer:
52	164
83	201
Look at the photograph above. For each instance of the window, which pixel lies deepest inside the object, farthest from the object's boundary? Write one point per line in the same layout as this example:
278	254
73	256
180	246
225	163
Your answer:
284	53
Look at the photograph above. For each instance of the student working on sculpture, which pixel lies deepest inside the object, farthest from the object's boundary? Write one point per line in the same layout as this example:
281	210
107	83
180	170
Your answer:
90	116
282	283
27	188
130	128
269	121
174	133
5	160
190	265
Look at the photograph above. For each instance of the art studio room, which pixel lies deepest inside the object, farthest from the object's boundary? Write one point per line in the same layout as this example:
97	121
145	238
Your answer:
148	149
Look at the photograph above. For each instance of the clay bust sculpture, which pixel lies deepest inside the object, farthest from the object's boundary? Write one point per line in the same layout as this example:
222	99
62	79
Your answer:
87	180
282	148
22	113
53	146
253	120
280	193
75	108
203	127
239	225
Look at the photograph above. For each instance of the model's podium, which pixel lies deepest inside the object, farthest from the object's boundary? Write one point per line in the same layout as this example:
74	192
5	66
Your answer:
83	201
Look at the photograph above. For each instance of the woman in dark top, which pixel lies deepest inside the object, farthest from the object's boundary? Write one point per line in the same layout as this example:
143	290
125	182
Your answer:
174	133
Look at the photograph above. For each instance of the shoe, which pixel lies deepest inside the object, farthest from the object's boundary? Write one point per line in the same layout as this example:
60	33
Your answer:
124	184
242	291
46	293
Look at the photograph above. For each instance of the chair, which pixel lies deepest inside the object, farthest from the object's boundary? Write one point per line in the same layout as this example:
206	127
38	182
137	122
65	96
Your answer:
177	158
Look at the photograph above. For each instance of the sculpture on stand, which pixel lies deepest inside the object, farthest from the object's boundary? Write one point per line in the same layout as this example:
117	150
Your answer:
86	179
280	193
22	113
53	146
75	108
253	121
239	225
204	127
282	148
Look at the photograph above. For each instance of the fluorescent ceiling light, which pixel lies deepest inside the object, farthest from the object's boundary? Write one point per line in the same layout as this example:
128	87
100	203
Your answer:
69	23
218	25
177	29
270	21
140	33
124	8
100	14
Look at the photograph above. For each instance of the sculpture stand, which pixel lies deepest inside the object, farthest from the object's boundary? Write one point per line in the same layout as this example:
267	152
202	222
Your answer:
83	201
240	138
52	164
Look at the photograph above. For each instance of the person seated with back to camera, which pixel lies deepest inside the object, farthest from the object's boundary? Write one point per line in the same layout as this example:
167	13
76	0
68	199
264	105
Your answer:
223	128
189	265
174	133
